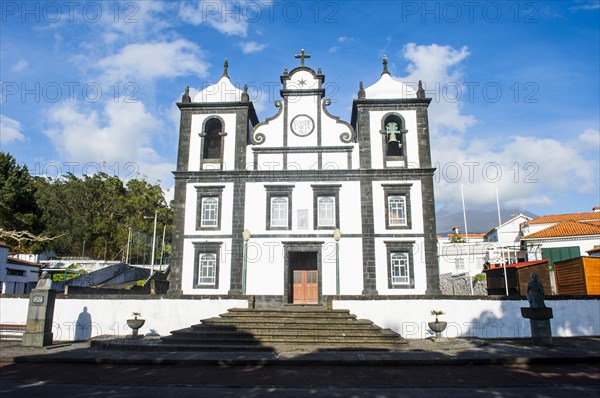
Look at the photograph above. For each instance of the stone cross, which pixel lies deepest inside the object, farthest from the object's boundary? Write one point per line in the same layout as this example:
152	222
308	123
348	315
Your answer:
302	56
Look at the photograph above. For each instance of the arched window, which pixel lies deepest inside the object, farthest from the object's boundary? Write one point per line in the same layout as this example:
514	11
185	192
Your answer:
213	140
393	138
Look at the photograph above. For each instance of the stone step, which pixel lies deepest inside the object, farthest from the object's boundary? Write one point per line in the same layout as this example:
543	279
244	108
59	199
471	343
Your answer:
293	340
263	334
258	326
285	326
283	321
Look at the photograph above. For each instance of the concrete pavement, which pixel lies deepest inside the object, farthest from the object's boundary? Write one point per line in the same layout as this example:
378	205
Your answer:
456	351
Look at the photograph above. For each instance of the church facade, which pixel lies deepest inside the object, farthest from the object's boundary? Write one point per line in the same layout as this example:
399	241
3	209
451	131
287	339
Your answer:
303	205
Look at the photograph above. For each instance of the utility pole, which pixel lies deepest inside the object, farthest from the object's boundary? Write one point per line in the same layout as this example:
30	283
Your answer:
153	243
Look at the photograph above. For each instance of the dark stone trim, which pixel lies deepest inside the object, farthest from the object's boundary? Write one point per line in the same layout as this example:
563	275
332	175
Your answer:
302	93
368	239
206	248
306	175
301	247
303	149
400	247
317	76
303	236
175	287
274	191
397	190
208	192
237	244
208	107
326	190
432	273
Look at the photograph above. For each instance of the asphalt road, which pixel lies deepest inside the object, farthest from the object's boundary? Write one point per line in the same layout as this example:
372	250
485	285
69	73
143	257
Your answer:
149	381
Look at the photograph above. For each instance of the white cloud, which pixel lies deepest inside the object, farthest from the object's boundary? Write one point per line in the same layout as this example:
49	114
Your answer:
526	170
252	47
148	61
439	66
10	130
225	16
20	66
120	132
340	42
121	135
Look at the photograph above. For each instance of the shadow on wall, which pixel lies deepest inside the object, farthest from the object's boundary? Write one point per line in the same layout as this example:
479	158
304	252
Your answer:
571	318
83	325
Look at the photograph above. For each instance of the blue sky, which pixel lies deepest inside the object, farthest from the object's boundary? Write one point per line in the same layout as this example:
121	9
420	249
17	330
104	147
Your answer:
90	86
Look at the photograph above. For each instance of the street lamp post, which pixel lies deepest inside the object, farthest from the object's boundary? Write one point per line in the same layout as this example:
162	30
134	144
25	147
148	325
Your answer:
153	243
337	235
246	236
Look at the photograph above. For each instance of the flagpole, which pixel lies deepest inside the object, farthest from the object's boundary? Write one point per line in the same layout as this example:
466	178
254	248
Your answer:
501	251
462	195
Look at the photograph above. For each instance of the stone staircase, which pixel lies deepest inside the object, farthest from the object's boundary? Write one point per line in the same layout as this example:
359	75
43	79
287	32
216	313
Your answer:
288	327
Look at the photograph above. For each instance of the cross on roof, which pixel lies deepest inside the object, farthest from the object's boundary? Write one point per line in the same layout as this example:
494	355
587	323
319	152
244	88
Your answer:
302	56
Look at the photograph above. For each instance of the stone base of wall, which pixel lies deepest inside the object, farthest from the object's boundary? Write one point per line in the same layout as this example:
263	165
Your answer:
459	286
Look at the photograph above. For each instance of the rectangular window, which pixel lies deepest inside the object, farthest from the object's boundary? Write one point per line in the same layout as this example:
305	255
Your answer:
326	202
399	268
279	207
397	210
279	211
207	269
397	206
210	212
326	211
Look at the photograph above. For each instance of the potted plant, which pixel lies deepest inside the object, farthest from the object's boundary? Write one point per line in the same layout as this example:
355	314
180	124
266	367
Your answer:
135	324
438	326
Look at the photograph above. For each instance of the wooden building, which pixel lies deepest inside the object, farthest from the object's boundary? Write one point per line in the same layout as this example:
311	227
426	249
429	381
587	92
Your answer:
517	276
579	275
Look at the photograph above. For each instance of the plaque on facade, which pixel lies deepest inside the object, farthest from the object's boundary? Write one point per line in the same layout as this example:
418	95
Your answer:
37	299
302	125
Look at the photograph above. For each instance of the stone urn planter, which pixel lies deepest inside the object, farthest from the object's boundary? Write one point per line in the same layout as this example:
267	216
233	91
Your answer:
135	324
438	326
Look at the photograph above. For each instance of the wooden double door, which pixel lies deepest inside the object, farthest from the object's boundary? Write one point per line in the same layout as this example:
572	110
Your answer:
304	278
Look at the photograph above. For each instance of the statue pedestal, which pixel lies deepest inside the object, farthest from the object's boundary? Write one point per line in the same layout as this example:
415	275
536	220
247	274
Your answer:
539	319
38	330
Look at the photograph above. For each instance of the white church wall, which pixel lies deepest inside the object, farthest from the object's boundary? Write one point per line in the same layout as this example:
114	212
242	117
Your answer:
269	162
351	267
416	267
190	263
412	143
416	211
229	120
484	318
303	161
265	264
335	161
191	209
302	105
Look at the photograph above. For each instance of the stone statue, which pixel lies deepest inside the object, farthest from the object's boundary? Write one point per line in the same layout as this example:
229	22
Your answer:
535	292
44	283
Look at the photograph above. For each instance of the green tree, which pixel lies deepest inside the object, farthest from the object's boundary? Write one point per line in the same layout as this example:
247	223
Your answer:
18	209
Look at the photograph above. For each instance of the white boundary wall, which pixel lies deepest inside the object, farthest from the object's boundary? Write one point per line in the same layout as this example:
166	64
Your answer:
477	317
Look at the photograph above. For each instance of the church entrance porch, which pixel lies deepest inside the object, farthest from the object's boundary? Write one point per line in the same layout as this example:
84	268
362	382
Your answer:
302	274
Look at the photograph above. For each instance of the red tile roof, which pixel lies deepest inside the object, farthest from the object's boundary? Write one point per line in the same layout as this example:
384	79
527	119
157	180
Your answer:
553	218
520	265
567	228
